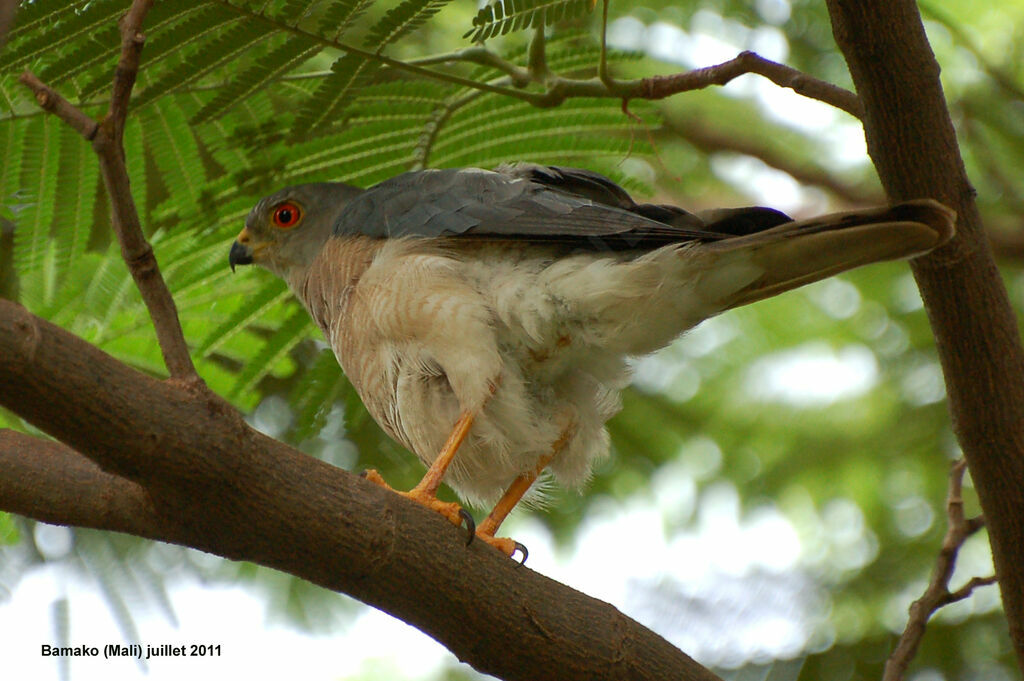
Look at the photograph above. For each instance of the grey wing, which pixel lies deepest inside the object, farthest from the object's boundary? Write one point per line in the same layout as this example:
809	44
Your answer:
531	203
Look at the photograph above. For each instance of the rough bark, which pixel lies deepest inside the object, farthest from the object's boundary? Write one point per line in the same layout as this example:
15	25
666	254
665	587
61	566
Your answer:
158	460
913	145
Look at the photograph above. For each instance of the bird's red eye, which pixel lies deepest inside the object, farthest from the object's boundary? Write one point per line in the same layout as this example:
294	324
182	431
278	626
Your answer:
287	215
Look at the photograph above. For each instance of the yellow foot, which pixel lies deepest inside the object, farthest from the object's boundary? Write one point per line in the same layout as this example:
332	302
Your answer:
374	477
450	510
503	544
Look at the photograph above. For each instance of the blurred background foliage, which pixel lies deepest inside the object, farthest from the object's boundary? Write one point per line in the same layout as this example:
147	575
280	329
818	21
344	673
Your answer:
786	463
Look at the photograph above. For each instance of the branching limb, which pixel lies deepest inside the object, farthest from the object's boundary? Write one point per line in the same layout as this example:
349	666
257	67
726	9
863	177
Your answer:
659	87
558	89
938	594
108	143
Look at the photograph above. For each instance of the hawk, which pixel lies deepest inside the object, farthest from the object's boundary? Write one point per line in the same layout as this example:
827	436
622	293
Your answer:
485	317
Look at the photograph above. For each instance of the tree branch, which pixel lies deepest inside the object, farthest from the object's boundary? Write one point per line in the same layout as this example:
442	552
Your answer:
107	141
913	145
659	87
51	482
170	465
938	594
558	89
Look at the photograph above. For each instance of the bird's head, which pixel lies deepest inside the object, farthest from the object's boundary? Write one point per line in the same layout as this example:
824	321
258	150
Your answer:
287	229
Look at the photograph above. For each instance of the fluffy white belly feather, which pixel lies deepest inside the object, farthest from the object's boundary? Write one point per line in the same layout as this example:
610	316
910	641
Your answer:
425	325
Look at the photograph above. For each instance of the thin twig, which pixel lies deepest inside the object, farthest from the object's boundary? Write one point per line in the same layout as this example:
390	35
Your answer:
127	66
558	89
659	87
938	594
50	100
108	143
471	55
538	57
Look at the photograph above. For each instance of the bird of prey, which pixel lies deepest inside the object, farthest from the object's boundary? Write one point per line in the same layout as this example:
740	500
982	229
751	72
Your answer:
485	317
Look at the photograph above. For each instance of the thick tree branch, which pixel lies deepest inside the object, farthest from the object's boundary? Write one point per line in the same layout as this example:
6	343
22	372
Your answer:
49	481
190	471
912	142
938	594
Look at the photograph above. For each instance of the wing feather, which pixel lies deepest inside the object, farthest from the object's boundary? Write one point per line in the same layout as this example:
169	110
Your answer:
533	203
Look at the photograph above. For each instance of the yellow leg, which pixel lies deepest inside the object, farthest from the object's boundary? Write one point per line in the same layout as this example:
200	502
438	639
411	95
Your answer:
487	529
425	492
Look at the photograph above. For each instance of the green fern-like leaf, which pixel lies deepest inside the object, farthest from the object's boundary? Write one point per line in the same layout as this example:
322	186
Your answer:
217	48
73	26
314	395
360	154
105	271
279	61
505	16
492	132
172	147
169	35
341	15
273	356
402	20
85	55
330	99
38	180
351	72
97	56
77	178
269	296
294	11
33	16
12	152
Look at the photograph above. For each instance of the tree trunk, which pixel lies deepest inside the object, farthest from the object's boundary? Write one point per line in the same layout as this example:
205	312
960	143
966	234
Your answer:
913	145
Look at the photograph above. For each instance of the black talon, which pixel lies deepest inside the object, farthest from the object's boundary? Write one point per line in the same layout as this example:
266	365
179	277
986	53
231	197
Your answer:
470	525
521	549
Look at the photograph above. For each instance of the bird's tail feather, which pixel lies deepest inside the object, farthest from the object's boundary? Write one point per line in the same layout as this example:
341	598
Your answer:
798	253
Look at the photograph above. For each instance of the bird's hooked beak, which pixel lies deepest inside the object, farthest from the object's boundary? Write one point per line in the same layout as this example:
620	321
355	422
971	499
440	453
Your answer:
241	250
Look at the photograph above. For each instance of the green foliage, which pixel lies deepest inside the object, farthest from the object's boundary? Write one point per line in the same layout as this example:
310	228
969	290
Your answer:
315	394
505	16
342	14
402	20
